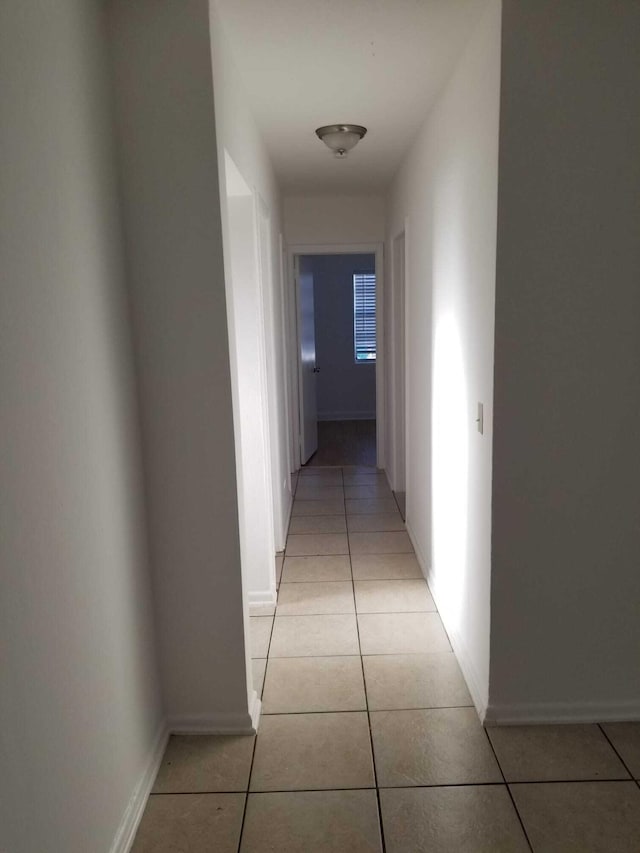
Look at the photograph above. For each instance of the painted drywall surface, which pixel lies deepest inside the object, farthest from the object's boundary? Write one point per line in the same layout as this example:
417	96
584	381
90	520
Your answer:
332	220
345	390
448	189
238	136
247	345
566	488
167	144
80	705
394	320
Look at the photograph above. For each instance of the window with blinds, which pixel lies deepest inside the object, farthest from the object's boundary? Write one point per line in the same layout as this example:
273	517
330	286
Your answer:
364	316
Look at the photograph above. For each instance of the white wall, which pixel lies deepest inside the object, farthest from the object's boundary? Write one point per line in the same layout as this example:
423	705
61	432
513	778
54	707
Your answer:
447	187
167	142
345	390
248	363
331	220
80	709
565	638
238	135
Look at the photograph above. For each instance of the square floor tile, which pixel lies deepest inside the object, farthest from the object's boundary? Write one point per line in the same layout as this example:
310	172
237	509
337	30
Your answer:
260	633
258	667
368	478
304	599
380	543
469	819
580	817
318	524
626	739
298	685
314	636
402	633
279	561
182	822
375	523
316	491
441	746
549	753
384	566
204	763
317	568
312	821
331	506
377	489
297	752
414	681
371	505
320	476
405	596
312	544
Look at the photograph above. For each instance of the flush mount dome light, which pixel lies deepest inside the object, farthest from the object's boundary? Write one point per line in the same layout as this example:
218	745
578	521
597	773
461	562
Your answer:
341	138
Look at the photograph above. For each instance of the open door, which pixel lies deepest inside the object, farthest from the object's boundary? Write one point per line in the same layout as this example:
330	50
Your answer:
307	360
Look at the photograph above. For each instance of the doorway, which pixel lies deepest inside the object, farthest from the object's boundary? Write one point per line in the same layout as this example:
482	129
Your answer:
337	323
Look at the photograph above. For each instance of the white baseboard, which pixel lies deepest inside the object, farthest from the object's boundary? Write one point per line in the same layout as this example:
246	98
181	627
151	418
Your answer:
262	596
422	561
388	479
255	710
126	833
258	609
459	649
216	724
346	416
561	712
287	521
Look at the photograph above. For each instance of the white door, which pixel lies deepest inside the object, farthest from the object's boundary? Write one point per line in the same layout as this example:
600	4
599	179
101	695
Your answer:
308	369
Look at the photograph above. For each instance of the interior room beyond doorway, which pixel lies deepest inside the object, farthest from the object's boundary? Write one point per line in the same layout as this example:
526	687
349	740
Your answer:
336	295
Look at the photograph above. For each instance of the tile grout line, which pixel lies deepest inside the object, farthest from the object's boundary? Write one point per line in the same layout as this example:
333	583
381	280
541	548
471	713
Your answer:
375	710
255	739
366	701
246	792
430	785
506	784
624	763
351	612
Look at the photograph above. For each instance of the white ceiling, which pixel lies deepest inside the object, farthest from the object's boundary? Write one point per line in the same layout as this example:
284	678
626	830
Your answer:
380	63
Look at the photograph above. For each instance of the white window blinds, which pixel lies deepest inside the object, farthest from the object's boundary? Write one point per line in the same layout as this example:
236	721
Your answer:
364	316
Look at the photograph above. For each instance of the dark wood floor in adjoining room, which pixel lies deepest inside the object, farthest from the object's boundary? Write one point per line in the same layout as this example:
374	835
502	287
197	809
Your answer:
345	443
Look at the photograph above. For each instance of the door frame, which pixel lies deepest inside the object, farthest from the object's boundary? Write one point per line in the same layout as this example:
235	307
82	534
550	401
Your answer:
293	335
397	349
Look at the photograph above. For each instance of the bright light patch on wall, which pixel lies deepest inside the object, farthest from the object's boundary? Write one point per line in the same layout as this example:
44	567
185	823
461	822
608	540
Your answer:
450	471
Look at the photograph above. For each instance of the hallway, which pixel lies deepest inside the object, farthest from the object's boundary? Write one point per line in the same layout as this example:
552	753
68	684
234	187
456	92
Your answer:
367	722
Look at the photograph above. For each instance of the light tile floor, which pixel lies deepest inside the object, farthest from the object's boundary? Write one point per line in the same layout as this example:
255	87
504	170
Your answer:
368	740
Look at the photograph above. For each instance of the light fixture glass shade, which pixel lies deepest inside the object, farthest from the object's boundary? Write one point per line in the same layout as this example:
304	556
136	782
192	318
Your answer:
341	138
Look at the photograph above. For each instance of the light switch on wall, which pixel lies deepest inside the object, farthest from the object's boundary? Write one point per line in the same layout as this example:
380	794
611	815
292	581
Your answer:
480	418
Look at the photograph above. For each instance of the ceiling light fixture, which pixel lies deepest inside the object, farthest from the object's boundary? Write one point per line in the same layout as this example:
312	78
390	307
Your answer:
341	138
